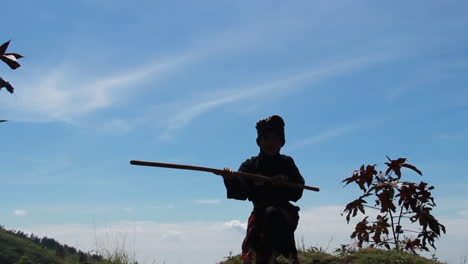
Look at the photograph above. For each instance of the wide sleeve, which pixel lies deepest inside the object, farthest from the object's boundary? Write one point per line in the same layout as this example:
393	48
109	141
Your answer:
239	188
294	176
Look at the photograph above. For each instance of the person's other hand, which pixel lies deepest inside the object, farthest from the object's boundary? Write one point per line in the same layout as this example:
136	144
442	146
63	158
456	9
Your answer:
227	174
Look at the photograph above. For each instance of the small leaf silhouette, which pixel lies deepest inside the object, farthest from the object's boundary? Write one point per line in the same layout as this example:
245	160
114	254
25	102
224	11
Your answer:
11	59
353	207
6	85
409	166
362	177
395	166
4	47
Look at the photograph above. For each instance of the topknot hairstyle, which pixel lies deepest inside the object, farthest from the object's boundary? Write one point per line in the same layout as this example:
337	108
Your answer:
273	123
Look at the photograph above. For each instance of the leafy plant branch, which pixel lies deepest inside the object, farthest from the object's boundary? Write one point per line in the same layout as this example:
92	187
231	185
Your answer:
11	59
394	200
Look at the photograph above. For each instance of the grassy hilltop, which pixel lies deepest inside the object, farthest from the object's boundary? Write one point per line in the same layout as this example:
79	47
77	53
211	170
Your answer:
364	256
17	247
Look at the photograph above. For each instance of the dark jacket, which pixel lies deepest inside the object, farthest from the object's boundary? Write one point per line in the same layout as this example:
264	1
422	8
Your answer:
262	192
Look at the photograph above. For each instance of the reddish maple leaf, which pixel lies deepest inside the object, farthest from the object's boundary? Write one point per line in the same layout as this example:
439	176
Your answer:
362	177
11	59
353	207
395	166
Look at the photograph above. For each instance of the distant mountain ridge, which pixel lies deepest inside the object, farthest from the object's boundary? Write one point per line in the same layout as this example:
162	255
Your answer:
16	247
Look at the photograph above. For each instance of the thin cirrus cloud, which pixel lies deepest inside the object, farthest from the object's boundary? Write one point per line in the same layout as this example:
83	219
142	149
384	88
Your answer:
463	213
20	212
209	201
272	89
326	135
454	136
63	94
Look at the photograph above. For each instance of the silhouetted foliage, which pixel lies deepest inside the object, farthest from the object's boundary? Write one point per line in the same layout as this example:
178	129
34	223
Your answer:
415	203
6	85
19	247
11	59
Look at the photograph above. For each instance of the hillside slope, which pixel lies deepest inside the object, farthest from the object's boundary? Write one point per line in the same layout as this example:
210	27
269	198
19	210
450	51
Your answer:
17	247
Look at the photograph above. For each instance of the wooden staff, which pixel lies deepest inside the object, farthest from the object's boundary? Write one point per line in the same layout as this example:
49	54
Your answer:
220	172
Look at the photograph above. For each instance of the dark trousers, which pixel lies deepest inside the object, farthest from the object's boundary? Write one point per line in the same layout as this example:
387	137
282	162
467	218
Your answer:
271	229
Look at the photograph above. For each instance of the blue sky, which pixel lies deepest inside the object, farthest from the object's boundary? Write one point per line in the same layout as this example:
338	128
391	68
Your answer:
104	82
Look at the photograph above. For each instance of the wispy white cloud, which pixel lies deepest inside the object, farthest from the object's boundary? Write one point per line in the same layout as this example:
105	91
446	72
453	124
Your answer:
325	135
117	126
454	136
163	206
184	117
414	85
128	209
424	77
236	224
212	201
20	212
65	95
463	213
185	111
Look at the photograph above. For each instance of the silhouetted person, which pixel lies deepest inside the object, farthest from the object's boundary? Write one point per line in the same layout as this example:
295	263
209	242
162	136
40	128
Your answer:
274	219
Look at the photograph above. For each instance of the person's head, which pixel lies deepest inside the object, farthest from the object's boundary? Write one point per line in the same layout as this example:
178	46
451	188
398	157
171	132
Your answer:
270	134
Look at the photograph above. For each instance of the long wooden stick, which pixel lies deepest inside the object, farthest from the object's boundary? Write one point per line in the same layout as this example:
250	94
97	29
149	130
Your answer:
218	171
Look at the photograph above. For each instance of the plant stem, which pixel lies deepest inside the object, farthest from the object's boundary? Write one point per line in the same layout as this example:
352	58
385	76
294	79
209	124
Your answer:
368	206
393	229
398	226
406	230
